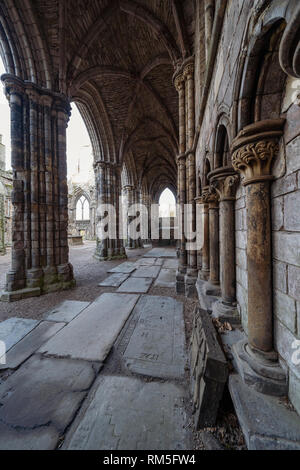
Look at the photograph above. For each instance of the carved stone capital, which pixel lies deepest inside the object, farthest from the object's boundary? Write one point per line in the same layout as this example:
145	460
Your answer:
255	148
13	85
179	82
225	181
189	71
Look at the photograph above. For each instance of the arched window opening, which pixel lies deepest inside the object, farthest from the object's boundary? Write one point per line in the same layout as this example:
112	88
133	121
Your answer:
167	204
82	209
222	148
5	150
79	150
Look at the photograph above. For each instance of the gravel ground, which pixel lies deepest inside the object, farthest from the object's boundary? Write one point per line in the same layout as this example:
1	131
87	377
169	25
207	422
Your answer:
88	273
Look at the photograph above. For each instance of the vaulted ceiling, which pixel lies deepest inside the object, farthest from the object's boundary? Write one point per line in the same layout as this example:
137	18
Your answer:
116	59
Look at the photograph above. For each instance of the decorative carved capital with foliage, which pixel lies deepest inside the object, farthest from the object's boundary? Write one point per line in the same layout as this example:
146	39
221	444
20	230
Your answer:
179	82
226	187
255	149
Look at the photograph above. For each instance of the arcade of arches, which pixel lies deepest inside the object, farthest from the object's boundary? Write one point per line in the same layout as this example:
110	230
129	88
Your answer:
200	96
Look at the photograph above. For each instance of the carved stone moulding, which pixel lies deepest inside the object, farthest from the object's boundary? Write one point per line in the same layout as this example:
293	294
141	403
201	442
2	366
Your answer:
255	148
289	51
224	180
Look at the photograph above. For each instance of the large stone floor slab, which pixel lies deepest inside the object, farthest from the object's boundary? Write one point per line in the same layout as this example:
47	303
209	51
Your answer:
30	343
157	345
14	329
136	284
39	401
166	278
146	271
114	280
125	268
66	311
91	334
161	253
128	414
146	262
266	422
170	264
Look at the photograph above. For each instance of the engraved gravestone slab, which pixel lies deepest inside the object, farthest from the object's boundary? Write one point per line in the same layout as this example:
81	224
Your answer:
209	370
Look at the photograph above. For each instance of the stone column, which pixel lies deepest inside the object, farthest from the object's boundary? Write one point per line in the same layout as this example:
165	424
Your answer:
209	6
40	260
108	187
253	152
181	165
131	198
213	285
192	272
100	178
204	273
225	180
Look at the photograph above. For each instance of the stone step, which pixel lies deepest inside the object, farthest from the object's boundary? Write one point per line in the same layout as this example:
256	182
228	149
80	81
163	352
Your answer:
93	332
267	422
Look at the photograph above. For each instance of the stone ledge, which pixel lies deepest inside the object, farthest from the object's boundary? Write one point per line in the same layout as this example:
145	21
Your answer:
12	296
206	301
267	423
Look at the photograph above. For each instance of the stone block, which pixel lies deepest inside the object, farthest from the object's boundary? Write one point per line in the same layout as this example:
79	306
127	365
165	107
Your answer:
277	213
43	394
91	334
125	268
166	278
291	211
284	185
209	370
292	155
114	280
285	310
66	311
286	247
277	427
157	345
14	329
146	271
145	416
30	343
280	276
294	390
137	285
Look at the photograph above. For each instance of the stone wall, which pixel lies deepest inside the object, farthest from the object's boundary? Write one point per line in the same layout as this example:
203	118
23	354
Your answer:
285	190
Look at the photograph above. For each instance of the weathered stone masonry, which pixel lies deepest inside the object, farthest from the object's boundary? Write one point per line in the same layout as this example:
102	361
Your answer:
40	195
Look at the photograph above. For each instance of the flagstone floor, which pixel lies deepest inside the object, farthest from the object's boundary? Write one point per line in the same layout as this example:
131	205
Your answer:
102	374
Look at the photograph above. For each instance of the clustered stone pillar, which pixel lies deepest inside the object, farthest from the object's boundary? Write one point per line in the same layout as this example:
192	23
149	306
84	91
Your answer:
187	270
180	87
108	188
212	287
254	151
225	180
40	255
192	272
209	6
